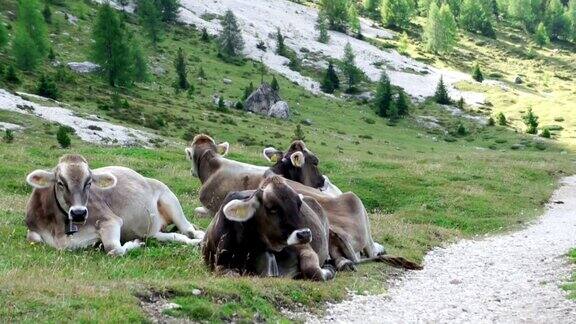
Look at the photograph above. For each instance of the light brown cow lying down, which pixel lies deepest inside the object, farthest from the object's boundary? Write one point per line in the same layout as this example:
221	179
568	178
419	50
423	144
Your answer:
351	239
75	207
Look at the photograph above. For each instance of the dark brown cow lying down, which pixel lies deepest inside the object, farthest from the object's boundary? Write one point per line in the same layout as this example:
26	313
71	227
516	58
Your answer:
75	207
351	240
271	218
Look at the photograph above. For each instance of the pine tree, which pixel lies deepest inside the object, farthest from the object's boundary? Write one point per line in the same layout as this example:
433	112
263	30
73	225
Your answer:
330	82
30	43
477	73
205	37
461	103
531	122
230	40
396	13
441	95
476	16
262	69
523	12
62	137
221	104
403	43
461	130
248	91
3	35
570	16
150	19
110	49
8	136
168	9
393	114
546	133
140	67
556	22
491	121
402	103
352	73
47	88
322	27
354	20
440	30
372	6
280	46
51	54
181	71
383	98
274	85
336	12
299	133
11	76
47	13
502	119
541	36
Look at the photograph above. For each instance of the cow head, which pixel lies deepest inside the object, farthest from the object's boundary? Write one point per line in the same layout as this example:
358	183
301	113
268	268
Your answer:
275	208
71	181
297	164
201	146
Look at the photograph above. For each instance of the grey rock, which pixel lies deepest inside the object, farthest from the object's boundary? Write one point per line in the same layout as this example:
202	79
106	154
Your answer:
227	81
83	67
518	80
261	100
279	110
158	70
307	122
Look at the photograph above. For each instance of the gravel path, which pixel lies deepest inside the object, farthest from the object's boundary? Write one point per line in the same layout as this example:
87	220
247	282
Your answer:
511	278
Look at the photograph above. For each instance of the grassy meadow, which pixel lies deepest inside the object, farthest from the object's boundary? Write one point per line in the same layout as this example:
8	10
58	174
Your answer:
421	187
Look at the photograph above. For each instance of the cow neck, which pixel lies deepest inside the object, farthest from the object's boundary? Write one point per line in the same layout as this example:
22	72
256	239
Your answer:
69	227
204	165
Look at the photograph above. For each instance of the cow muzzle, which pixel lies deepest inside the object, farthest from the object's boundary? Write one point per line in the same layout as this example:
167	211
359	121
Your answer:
78	214
301	236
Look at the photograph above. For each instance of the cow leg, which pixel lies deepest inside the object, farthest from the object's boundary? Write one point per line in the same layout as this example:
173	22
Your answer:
310	266
379	249
34	237
109	232
341	251
202	212
170	208
175	237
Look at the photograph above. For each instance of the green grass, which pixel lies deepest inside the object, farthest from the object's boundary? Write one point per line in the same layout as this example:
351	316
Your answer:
421	190
570	286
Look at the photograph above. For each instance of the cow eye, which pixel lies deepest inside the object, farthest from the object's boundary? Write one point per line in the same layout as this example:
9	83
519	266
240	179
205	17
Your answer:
60	184
88	184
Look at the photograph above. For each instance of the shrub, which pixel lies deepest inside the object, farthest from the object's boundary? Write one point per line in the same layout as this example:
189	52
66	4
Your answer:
531	121
461	130
546	133
477	73
8	136
47	88
491	121
62	137
502	119
11	76
299	133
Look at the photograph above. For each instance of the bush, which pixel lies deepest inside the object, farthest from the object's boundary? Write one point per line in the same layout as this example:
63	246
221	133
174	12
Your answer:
491	121
11	76
47	88
546	133
8	136
62	137
502	119
531	122
299	133
477	73
461	130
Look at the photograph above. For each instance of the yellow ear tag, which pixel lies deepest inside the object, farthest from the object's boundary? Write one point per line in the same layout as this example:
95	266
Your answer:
274	158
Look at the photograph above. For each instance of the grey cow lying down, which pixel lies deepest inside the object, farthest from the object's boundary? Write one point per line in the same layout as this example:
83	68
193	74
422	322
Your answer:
73	207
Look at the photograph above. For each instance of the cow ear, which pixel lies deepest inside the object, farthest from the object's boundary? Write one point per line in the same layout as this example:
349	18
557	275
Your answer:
189	153
104	180
40	179
297	159
223	148
241	210
272	155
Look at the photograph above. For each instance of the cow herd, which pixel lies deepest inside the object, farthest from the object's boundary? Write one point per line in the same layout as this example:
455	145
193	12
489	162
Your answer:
286	220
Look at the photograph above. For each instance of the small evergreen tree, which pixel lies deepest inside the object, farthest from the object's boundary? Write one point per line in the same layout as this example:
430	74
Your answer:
461	103
30	43
441	95
168	9
62	137
531	121
3	35
299	134
150	19
262	69
190	91
47	13
393	114
274	85
8	136
181	71
354	20
248	91
140	67
230	40
477	73
476	16
440	29
51	54
524	11
502	119
546	133
205	37
403	43
556	21
571	18
11	76
352	73
461	130
383	97
330	81
401	103
280	46
372	7
336	11
47	88
396	13
110	49
491	121
221	104
322	27
541	37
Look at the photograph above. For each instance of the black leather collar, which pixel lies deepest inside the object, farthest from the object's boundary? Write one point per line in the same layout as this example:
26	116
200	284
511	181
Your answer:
69	227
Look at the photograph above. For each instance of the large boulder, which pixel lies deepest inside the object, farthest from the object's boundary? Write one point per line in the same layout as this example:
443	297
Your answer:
279	110
261	100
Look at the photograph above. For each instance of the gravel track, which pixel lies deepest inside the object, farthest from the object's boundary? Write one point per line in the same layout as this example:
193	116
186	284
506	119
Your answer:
509	278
